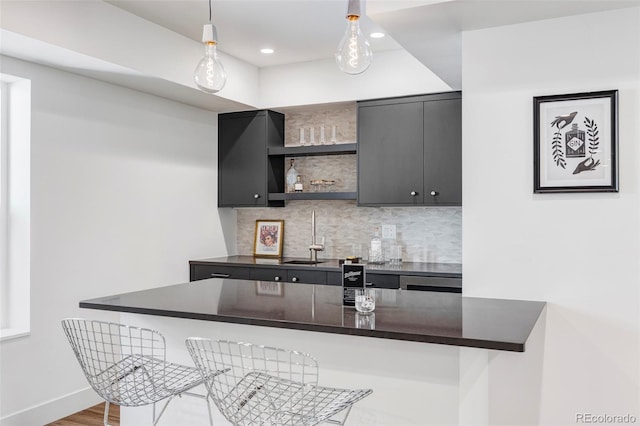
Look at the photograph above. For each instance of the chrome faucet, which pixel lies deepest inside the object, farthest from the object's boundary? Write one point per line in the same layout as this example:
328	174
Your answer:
315	247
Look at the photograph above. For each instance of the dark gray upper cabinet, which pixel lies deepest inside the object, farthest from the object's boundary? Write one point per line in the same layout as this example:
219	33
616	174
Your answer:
409	151
246	174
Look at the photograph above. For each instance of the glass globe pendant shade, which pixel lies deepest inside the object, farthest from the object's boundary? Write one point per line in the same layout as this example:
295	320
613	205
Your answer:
209	75
354	54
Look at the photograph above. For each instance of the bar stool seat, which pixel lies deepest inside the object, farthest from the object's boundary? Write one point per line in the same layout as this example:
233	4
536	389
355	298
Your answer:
263	385
126	365
134	380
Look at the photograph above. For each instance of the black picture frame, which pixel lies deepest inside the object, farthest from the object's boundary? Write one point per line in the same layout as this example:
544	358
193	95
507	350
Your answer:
575	142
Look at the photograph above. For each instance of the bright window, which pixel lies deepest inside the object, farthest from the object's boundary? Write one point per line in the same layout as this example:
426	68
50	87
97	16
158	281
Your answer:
4	208
15	206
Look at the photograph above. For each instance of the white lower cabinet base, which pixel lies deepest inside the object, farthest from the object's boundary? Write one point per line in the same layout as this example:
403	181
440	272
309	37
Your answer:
413	383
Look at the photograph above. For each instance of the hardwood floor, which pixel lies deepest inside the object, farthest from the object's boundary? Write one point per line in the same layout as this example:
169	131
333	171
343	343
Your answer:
92	416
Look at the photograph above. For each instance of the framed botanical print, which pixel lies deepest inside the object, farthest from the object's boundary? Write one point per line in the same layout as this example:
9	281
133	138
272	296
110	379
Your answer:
576	142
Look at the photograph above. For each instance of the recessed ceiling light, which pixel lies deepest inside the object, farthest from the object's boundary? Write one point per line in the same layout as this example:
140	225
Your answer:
267	51
376	35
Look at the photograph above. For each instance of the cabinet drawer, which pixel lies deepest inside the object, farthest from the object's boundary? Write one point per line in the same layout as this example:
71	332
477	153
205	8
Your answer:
376	280
334	278
268	274
443	284
308	277
383	280
202	272
290	275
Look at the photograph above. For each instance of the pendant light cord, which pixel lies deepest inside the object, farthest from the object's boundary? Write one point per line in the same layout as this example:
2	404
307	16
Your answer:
209	10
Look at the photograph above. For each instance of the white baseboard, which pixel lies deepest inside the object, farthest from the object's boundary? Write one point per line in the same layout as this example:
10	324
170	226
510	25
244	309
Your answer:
53	410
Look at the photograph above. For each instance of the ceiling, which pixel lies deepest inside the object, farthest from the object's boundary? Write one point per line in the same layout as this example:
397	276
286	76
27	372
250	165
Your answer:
298	30
308	30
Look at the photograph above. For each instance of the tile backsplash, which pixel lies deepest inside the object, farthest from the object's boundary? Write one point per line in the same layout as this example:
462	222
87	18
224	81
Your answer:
427	234
342	115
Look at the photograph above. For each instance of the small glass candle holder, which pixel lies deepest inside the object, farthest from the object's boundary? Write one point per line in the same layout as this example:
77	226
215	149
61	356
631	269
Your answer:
366	321
312	136
395	255
365	300
302	140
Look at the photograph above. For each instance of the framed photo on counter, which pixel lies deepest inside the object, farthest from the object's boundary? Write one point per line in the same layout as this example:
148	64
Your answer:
576	142
269	238
269	288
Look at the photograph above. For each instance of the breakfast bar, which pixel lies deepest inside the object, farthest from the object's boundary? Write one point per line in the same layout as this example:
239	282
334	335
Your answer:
427	317
416	347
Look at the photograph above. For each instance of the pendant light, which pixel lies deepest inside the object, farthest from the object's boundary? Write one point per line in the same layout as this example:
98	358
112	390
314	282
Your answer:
354	53
209	75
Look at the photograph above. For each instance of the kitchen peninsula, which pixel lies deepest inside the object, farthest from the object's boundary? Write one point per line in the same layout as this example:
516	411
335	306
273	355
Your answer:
389	350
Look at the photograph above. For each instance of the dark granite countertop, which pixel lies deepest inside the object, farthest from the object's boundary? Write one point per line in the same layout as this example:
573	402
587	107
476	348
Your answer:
452	270
429	317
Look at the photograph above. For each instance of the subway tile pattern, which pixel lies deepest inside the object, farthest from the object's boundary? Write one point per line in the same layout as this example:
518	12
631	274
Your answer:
427	234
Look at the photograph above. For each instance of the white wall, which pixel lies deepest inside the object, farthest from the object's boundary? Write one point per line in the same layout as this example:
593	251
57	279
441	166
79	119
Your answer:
95	35
123	195
392	73
517	244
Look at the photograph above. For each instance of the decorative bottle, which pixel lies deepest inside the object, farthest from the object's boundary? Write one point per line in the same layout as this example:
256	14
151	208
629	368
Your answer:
292	174
297	187
575	142
376	255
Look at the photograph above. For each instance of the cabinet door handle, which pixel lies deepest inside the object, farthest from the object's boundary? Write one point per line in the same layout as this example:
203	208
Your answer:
294	279
276	278
216	275
434	193
256	196
414	193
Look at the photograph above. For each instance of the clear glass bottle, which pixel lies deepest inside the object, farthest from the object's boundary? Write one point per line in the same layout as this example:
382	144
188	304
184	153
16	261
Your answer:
292	174
376	256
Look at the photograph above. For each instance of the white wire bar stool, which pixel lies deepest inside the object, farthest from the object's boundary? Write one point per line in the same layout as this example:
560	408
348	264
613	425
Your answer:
127	366
268	386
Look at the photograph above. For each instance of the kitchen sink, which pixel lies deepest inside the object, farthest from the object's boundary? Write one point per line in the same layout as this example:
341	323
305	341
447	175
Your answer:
304	262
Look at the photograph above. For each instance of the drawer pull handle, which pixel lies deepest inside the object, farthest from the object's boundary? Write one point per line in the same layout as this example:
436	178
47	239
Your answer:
294	279
256	196
216	275
434	193
276	278
413	193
